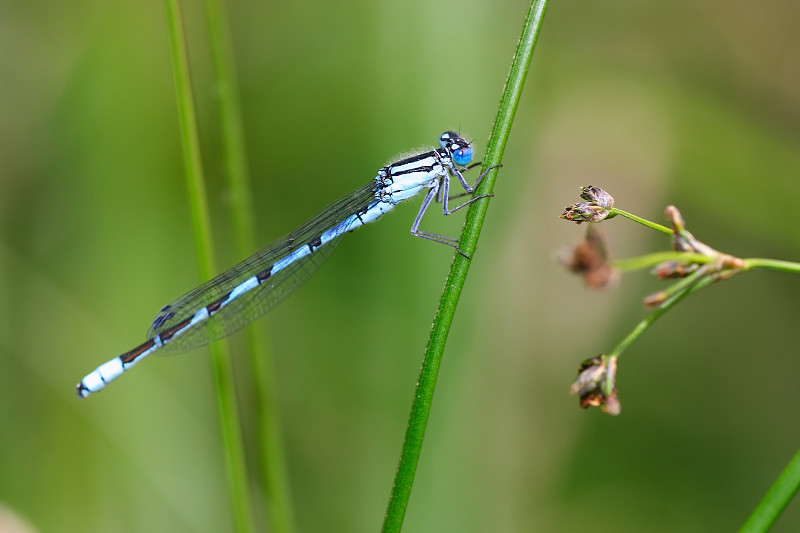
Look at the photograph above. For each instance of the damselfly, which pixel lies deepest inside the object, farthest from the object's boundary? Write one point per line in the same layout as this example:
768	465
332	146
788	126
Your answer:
238	296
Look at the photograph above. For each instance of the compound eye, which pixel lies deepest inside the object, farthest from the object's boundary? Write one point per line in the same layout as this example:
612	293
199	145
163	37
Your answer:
462	155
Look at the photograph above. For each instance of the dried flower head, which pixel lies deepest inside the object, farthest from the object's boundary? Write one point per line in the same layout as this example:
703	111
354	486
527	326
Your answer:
589	259
596	208
597	196
596	384
682	239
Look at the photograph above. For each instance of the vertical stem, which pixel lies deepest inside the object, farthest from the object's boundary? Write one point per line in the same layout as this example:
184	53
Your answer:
275	478
223	375
421	406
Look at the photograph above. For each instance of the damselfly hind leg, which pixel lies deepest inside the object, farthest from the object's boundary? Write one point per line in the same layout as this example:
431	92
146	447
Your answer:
443	188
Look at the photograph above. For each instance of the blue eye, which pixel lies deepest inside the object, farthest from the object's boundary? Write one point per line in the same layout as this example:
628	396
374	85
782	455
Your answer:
462	156
459	149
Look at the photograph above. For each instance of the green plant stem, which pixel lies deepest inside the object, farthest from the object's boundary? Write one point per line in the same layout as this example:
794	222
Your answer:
651	260
692	284
275	479
753	263
772	264
223	375
776	499
640	220
420	408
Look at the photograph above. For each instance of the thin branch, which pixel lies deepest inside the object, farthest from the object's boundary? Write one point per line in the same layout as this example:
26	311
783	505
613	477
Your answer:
420	408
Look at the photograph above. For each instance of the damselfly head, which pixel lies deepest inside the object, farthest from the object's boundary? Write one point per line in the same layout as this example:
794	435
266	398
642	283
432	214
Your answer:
459	148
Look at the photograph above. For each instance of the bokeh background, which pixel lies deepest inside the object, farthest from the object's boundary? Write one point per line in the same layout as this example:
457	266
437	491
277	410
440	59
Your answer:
695	104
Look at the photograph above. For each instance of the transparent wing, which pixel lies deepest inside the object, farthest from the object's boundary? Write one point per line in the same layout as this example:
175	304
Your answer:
254	303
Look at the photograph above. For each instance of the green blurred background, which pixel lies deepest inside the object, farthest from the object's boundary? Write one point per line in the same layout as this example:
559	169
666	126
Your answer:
691	103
